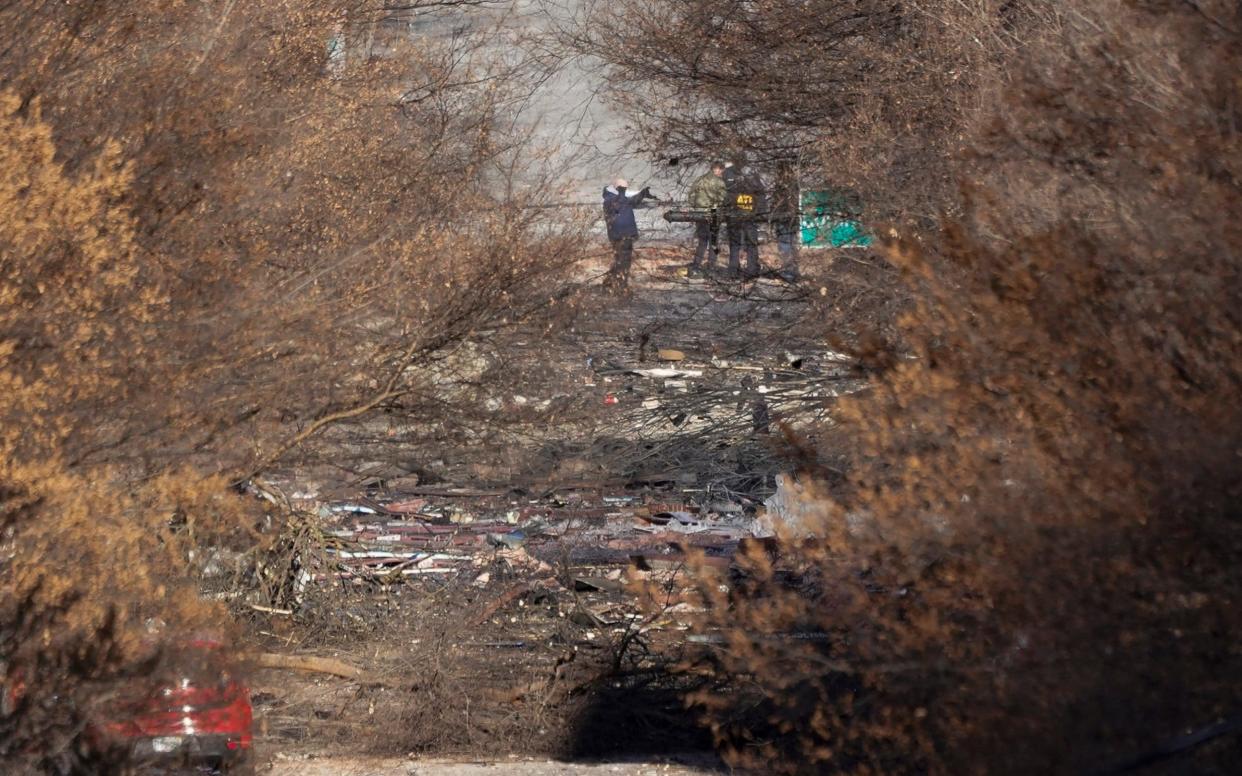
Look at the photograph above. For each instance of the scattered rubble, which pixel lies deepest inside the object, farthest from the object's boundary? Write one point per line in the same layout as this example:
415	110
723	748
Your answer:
646	441
378	541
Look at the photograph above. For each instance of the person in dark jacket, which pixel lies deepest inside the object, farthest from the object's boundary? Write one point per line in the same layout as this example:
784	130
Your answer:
619	206
745	203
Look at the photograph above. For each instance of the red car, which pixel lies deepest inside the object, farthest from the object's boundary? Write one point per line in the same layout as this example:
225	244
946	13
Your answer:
202	720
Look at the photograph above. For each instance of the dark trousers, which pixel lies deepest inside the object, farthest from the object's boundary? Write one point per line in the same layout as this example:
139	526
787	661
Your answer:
708	234
622	257
787	238
744	235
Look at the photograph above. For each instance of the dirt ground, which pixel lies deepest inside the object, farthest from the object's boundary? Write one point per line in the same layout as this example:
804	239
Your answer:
563	407
485	596
343	766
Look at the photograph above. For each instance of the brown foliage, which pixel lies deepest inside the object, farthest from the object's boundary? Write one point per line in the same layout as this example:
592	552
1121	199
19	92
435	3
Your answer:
872	95
318	230
1034	565
86	571
213	242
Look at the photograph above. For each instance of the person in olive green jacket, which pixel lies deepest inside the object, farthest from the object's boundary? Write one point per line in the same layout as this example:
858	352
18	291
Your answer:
708	193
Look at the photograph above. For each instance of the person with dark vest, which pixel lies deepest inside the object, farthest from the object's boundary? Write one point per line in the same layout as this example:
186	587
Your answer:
785	219
745	204
622	227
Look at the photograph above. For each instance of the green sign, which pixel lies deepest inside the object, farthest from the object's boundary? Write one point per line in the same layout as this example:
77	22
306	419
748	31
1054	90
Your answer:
830	219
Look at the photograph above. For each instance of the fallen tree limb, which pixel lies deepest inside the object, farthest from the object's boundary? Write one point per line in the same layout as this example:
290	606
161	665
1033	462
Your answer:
316	665
506	598
361	409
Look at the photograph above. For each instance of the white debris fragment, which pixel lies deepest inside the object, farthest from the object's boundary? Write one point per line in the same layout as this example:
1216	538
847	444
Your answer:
668	372
352	509
791	511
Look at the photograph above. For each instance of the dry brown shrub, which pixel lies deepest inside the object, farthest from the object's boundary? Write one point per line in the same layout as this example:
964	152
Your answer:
91	568
215	242
322	231
870	95
1034	567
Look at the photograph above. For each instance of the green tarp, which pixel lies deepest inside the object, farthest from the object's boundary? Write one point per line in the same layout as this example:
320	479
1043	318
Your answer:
830	219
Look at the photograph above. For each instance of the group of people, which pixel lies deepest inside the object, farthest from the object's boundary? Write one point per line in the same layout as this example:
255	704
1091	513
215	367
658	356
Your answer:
731	194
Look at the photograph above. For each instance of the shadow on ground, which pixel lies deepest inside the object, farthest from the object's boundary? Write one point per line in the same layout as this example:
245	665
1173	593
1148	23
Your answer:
630	722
